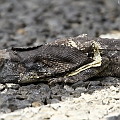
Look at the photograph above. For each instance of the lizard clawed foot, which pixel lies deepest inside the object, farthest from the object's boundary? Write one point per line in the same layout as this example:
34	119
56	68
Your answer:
54	80
81	84
61	79
87	84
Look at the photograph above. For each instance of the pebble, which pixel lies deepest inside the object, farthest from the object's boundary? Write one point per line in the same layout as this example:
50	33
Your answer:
2	87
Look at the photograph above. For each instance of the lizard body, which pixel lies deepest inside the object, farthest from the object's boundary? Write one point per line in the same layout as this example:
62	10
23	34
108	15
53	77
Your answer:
67	60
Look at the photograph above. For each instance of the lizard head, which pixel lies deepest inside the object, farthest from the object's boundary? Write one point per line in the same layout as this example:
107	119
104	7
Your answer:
8	69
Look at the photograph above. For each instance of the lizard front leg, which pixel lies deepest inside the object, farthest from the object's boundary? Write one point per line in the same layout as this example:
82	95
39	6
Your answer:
83	75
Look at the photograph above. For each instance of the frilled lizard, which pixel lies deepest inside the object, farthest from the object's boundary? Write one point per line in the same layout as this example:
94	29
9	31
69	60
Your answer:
67	60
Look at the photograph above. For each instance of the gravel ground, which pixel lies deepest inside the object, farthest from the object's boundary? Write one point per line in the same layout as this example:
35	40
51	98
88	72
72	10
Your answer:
100	105
30	23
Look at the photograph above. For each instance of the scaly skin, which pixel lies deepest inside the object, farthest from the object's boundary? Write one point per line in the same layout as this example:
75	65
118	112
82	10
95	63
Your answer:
68	60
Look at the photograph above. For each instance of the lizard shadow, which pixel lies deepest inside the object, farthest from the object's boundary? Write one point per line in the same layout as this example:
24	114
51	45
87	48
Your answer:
69	90
96	83
88	86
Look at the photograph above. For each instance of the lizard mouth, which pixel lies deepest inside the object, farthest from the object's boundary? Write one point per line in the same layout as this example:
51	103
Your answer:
28	77
97	60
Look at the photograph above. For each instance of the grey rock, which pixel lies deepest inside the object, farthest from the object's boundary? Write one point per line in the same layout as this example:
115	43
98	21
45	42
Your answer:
2	87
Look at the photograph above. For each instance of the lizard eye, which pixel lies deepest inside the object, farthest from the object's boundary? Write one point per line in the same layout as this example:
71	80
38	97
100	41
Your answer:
1	62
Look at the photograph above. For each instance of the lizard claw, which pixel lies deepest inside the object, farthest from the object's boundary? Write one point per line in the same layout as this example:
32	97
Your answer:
81	84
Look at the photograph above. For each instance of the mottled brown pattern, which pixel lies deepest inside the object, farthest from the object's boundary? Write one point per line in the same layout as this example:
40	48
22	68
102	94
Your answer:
57	61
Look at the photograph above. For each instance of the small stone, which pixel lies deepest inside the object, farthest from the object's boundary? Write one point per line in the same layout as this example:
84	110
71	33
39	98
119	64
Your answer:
21	31
68	88
59	117
36	104
2	87
54	101
12	85
64	98
113	88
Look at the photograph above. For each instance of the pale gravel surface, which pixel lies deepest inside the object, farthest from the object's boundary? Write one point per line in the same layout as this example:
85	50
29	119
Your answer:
100	105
